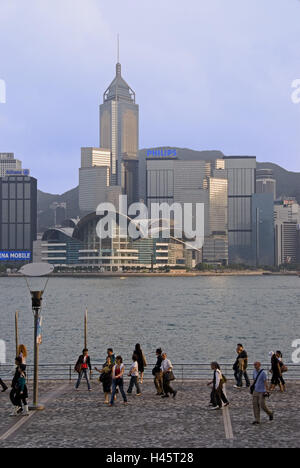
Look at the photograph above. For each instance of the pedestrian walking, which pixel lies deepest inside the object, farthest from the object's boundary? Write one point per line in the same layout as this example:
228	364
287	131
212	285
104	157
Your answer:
14	389
83	366
111	355
276	366
157	373
106	378
118	380
168	376
3	386
134	377
283	369
240	367
22	391
141	359
218	397
259	390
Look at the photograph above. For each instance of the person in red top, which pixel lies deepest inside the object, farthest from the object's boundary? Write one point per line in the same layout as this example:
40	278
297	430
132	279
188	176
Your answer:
83	365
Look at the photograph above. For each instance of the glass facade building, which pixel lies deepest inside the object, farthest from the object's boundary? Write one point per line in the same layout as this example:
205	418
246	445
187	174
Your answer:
241	174
263	229
18	215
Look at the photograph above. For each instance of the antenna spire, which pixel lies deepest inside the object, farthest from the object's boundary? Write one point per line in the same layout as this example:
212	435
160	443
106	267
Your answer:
118	48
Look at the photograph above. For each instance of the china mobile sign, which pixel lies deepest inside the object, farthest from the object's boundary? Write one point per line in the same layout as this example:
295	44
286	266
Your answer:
2	92
183	222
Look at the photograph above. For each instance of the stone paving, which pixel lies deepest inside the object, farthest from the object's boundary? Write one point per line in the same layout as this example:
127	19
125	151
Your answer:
80	419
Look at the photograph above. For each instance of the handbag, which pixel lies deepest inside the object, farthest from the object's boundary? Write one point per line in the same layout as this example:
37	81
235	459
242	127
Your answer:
284	369
252	388
78	368
170	376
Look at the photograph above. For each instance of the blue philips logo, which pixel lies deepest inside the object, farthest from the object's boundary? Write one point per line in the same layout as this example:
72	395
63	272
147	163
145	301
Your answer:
162	153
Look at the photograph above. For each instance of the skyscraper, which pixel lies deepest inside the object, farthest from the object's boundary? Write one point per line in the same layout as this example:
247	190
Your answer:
8	162
119	124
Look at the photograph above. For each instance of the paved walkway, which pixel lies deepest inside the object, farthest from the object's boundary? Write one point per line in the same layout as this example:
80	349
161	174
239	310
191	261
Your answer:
80	419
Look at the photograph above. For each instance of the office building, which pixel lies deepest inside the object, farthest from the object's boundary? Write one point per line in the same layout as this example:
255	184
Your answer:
241	174
263	229
94	177
18	215
8	162
265	182
287	219
119	124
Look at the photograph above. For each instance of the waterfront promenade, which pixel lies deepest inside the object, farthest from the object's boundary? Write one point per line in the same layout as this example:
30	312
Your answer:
80	419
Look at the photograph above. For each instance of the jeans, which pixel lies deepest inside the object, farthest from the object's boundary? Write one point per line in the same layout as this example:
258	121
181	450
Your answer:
238	374
117	383
83	373
134	381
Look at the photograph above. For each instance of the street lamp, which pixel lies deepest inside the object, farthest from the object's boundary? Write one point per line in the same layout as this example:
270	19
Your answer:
33	272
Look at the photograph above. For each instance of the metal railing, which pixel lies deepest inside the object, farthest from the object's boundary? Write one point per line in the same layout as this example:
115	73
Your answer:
183	372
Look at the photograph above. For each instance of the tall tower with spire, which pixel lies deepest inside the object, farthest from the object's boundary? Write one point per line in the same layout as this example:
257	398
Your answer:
119	126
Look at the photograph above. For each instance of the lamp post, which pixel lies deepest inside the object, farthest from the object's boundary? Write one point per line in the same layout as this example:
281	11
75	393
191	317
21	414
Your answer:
36	271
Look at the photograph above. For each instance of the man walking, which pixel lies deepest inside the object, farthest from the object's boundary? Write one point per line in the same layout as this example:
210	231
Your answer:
260	388
157	373
240	367
168	376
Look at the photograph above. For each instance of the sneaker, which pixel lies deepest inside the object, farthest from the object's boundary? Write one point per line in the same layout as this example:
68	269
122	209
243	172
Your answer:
255	423
272	417
125	403
237	387
215	408
165	396
138	394
226	404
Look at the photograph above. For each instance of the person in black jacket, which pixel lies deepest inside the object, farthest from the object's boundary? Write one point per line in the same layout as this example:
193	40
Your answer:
14	388
240	367
157	373
82	366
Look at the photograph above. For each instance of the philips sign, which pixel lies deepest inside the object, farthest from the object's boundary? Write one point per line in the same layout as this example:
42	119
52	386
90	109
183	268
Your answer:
18	256
14	172
162	153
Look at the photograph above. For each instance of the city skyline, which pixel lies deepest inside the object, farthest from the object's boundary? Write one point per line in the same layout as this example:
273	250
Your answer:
210	74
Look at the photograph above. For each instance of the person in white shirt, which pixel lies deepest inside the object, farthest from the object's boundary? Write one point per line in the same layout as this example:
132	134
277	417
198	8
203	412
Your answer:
134	376
168	376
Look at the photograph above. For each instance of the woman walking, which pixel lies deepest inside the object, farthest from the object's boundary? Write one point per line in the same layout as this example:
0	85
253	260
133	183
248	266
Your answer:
22	391
82	367
276	373
141	359
217	394
117	380
134	377
14	389
283	369
106	378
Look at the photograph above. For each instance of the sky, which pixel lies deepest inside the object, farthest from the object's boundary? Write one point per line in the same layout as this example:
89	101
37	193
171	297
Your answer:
208	74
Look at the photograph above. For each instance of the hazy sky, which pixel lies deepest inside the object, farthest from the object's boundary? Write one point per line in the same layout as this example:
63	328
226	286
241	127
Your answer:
208	74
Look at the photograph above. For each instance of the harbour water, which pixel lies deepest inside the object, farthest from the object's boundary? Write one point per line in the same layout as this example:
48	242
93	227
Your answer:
195	319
